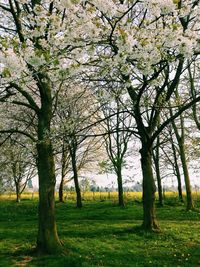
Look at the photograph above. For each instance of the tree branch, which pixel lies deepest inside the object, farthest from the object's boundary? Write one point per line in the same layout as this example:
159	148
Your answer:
32	103
12	131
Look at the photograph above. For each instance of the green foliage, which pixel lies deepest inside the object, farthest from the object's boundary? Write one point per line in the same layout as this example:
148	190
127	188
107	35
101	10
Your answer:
6	73
105	166
101	234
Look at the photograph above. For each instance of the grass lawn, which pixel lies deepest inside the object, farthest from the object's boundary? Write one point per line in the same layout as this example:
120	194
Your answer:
101	234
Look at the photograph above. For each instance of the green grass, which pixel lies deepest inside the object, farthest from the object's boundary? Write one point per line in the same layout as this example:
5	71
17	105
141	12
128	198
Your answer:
101	234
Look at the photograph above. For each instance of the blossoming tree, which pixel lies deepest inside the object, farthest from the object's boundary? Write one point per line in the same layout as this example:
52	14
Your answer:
34	36
143	45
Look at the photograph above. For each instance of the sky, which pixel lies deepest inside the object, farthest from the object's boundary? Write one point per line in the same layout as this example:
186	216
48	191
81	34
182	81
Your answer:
134	175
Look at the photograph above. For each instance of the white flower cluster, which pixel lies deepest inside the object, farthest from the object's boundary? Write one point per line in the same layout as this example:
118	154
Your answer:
109	8
160	7
68	3
14	65
84	33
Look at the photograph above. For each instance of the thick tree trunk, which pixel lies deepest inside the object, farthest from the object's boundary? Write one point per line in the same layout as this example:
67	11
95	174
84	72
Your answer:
47	240
190	204
149	189
120	188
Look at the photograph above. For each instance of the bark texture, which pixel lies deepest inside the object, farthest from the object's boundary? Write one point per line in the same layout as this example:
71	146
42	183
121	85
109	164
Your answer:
120	188
61	198
177	172
47	240
181	143
157	169
149	189
72	149
18	193
190	204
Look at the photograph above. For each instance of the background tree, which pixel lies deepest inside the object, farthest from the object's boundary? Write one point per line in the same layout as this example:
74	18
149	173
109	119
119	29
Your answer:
20	163
156	159
64	161
117	122
171	155
180	136
76	116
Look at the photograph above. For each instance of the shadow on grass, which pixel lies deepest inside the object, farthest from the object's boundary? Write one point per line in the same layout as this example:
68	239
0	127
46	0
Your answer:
27	256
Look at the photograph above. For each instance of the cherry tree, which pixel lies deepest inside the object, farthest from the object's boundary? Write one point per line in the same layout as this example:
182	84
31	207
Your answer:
145	46
38	43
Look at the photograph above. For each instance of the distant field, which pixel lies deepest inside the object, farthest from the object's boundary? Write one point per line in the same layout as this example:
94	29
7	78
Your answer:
72	195
97	196
102	234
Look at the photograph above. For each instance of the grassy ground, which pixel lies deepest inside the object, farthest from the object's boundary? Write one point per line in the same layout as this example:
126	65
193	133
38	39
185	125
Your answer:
101	234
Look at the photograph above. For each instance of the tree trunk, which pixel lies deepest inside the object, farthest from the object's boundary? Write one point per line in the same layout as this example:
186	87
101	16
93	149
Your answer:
78	192
180	193
16	178
157	168
120	188
177	171
47	240
18	195
190	204
65	162
61	198
75	174
158	177
181	143
149	189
